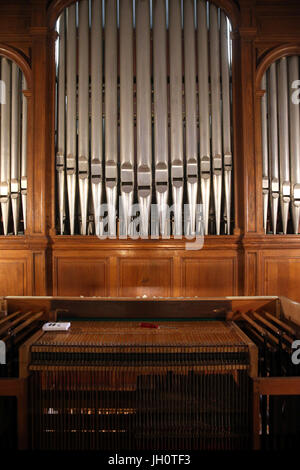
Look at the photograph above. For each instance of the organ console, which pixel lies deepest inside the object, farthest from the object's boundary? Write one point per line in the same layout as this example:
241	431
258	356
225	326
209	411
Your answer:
154	373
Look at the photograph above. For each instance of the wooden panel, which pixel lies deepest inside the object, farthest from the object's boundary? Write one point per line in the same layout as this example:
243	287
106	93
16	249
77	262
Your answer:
251	273
145	276
75	276
15	274
212	276
282	275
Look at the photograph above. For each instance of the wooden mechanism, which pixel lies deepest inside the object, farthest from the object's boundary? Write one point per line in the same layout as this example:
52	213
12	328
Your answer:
210	374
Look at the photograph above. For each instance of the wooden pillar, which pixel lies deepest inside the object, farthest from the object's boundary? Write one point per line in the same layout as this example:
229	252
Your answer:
38	181
252	207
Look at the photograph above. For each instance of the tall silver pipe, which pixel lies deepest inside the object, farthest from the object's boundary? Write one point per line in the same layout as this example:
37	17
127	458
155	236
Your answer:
273	144
216	112
83	112
283	118
60	156
176	113
203	74
126	112
111	113
161	113
265	152
96	111
24	155
71	113
5	148
190	111
226	121
15	146
294	116
143	83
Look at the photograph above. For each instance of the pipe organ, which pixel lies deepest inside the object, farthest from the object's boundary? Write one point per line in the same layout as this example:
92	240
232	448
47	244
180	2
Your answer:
281	147
143	119
13	148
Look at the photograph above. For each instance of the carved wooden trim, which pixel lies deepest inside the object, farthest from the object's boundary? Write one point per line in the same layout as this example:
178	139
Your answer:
20	60
272	56
57	6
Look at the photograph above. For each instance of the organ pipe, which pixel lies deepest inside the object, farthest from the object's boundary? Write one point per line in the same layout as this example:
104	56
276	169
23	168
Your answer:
216	113
13	147
126	111
190	111
165	51
60	155
5	144
111	113
265	153
96	111
83	112
226	117
176	113
143	85
71	114
281	145
161	150
204	124
283	121
293	67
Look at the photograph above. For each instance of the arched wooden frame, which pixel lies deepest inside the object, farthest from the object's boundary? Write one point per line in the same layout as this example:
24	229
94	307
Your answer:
21	61
55	8
275	54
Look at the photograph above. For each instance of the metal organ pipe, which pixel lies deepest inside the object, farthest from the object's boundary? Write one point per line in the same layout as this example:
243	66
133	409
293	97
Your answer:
143	85
71	113
176	113
169	167
15	145
216	113
5	144
24	153
204	124
293	67
161	113
190	111
126	112
281	144
61	103
284	142
265	153
111	113
96	111
83	112
226	117
273	136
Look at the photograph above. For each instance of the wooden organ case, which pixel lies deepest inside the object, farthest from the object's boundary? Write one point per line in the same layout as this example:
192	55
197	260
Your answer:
209	374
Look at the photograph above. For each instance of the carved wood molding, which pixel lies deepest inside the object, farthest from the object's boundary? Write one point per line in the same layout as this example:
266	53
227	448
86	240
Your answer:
272	56
22	61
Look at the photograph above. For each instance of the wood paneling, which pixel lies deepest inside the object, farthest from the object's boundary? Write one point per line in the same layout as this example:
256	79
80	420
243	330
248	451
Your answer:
15	273
215	276
281	274
145	276
79	275
247	263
